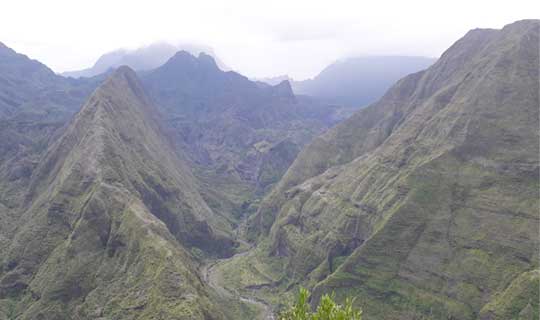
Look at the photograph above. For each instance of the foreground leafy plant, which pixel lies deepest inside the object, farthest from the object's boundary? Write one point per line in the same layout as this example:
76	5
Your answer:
328	309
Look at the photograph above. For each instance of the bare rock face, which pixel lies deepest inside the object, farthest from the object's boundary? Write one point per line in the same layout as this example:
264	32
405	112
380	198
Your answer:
428	199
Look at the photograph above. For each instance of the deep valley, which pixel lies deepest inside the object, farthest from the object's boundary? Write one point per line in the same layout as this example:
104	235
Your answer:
161	185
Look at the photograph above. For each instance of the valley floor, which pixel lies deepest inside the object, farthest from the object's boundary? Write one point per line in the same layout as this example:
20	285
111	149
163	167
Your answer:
211	273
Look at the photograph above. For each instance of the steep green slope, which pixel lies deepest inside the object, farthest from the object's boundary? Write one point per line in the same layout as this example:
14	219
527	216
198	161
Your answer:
519	300
34	105
109	220
425	203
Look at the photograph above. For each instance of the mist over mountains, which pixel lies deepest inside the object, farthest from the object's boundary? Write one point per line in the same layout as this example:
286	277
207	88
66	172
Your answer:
140	59
360	81
159	185
355	82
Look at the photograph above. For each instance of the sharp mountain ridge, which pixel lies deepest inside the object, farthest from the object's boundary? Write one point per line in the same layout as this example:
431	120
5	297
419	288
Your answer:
110	220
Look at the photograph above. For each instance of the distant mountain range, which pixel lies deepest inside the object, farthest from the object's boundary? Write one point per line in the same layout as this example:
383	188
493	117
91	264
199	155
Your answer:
355	82
351	82
359	81
144	58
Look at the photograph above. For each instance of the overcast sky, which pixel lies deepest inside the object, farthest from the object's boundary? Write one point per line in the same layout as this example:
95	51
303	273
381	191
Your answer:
256	38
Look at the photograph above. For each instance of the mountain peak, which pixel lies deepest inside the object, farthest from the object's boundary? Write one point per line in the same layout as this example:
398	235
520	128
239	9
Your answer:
5	50
283	89
119	122
185	59
182	54
523	23
207	59
124	71
144	58
122	80
181	59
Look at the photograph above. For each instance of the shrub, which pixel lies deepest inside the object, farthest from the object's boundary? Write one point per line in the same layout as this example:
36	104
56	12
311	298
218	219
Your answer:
328	309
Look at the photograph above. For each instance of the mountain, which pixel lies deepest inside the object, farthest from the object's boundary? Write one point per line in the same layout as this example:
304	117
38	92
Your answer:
359	81
240	135
141	59
21	78
35	104
108	224
109	210
275	80
27	86
237	137
422	205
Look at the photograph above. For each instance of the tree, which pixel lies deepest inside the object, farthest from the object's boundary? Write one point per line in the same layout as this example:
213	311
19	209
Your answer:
328	309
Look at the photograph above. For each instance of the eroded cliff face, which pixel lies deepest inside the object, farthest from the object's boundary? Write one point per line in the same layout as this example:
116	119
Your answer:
427	201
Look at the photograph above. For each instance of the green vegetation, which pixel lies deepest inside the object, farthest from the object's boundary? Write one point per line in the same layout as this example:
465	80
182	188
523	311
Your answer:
114	224
427	201
520	300
327	309
423	205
